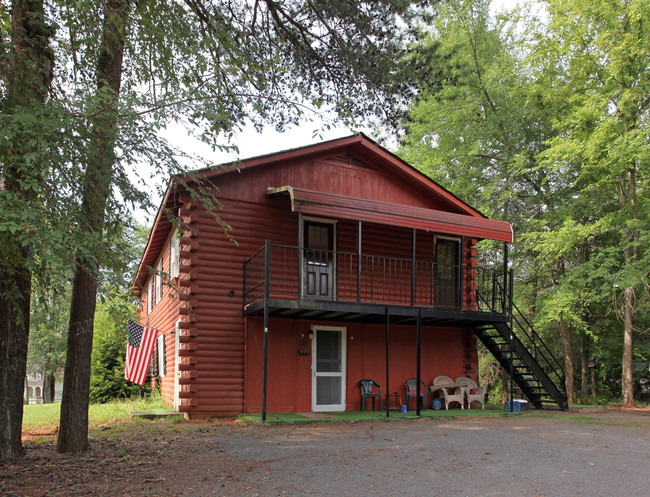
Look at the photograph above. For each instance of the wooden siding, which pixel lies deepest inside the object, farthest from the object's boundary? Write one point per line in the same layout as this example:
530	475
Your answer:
163	317
220	349
444	351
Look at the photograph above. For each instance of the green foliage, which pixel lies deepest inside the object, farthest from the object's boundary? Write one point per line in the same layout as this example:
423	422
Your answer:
543	122
49	329
109	349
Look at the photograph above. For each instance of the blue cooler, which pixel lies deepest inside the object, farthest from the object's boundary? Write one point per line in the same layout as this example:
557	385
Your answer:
518	405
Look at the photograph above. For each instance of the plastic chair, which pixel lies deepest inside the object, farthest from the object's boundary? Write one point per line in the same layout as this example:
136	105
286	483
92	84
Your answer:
412	390
472	391
367	393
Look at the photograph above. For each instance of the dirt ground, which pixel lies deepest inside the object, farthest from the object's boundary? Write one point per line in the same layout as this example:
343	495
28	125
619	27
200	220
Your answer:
596	453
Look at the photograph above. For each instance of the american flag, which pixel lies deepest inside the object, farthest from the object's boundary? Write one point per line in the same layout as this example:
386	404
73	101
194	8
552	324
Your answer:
138	352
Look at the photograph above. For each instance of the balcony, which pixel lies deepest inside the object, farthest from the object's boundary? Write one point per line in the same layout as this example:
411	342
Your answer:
294	282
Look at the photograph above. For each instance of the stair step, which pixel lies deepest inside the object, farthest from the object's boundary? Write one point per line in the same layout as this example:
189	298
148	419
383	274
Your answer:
542	391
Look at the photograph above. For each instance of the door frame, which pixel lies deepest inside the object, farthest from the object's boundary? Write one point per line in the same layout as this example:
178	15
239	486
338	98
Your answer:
342	373
334	223
459	257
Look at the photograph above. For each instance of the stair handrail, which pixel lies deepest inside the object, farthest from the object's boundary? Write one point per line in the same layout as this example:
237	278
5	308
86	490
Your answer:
539	346
553	363
491	303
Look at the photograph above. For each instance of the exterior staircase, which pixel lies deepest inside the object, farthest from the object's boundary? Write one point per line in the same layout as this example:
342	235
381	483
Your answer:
529	365
524	355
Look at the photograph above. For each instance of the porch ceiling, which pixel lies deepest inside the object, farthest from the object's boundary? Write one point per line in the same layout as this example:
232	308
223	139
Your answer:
333	205
372	313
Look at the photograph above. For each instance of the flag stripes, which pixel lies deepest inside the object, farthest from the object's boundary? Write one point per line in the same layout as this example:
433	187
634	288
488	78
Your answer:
139	349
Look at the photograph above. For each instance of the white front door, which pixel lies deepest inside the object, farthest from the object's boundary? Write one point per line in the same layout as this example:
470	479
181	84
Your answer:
328	368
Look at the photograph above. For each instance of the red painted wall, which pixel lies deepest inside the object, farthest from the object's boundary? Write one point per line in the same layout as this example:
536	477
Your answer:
221	350
289	372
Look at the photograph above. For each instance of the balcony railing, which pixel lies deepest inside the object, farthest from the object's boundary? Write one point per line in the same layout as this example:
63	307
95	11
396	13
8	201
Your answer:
297	274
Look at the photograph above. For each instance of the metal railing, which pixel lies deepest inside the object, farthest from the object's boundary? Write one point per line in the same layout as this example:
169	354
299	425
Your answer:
364	278
523	329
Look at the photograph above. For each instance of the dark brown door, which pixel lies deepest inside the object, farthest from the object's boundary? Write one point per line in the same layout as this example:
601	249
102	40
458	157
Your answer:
447	273
318	260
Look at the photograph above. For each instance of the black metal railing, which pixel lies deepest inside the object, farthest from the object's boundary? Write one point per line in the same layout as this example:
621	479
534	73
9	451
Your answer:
537	347
524	330
296	273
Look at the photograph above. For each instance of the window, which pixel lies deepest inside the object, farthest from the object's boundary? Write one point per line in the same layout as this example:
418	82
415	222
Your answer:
160	346
159	277
149	295
174	253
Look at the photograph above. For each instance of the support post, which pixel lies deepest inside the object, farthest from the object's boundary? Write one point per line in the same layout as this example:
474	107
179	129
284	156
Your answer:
505	277
461	269
301	237
512	349
358	261
267	286
413	268
419	340
387	362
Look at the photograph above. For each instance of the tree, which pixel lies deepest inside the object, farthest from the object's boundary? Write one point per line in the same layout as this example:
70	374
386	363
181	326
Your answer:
123	70
48	334
25	79
479	134
109	338
596	58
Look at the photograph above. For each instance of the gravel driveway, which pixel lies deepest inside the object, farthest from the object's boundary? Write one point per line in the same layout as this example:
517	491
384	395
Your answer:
518	456
568	454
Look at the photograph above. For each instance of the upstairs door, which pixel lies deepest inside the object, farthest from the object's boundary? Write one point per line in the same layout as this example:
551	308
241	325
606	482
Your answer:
328	368
318	260
447	273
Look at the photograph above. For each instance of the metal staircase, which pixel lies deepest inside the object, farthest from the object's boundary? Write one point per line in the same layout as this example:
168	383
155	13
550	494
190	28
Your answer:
524	355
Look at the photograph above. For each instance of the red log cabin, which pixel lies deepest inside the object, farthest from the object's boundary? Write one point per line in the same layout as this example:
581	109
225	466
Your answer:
325	265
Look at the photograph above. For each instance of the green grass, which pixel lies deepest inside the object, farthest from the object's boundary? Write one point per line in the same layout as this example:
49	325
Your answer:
369	415
43	416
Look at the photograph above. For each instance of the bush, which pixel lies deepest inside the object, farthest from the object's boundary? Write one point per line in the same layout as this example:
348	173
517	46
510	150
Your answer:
109	350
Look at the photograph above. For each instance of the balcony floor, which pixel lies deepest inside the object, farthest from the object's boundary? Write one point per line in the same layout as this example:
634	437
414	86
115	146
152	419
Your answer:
325	310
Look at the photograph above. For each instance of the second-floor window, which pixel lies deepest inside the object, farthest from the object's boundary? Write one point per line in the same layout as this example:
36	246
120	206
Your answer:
159	280
174	254
150	295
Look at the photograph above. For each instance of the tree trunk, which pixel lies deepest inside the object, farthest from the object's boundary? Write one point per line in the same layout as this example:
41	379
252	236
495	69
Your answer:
26	73
49	390
627	380
73	426
505	385
584	366
568	361
629	207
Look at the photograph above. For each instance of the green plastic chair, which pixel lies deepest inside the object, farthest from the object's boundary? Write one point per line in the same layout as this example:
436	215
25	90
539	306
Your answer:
367	393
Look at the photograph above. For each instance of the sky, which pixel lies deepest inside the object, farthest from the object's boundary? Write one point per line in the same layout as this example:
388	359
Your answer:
252	144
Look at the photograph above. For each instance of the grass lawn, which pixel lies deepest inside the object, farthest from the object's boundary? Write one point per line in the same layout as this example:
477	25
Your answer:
45	416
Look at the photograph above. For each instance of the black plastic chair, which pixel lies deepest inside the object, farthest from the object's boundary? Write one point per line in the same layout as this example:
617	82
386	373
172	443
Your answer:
367	393
412	391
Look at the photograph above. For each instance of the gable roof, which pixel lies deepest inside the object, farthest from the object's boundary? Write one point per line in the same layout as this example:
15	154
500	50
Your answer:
364	148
